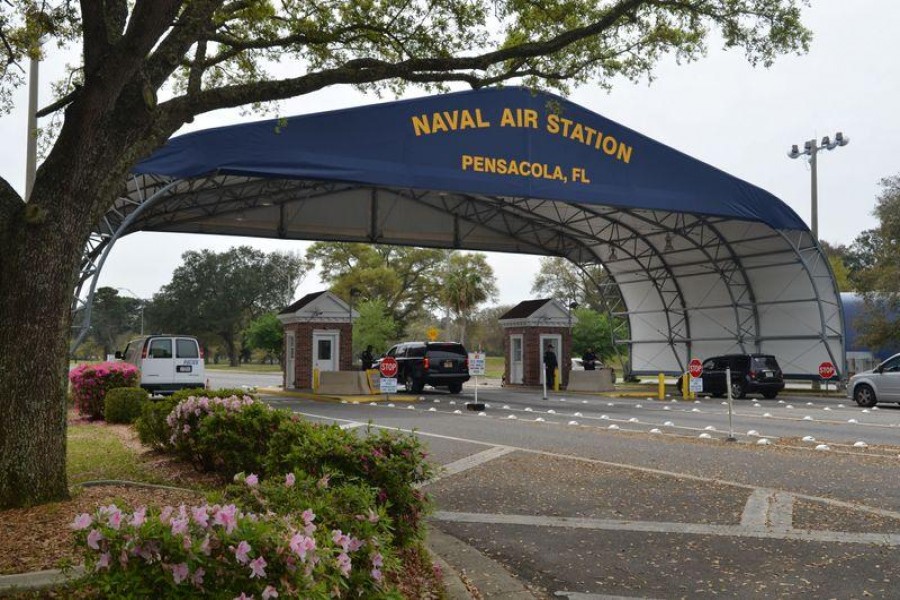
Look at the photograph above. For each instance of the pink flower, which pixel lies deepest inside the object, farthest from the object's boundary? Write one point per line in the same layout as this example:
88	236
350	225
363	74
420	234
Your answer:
300	545
139	517
355	544
344	563
244	596
103	563
179	526
269	592
204	546
227	517
252	480
180	572
376	574
377	560
241	553
289	480
197	577
258	567
166	514
201	517
82	521
308	516
94	538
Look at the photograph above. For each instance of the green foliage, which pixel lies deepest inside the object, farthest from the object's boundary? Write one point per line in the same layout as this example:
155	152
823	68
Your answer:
112	316
485	331
567	282
151	426
391	463
222	552
406	280
265	333
874	258
468	281
592	331
375	326
221	293
124	405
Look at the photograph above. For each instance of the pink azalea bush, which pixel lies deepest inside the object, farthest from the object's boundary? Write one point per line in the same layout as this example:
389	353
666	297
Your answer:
222	551
223	435
91	382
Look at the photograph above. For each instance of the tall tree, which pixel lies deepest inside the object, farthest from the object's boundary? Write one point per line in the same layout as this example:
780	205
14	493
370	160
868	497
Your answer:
266	333
221	293
113	316
876	255
405	279
837	257
565	281
150	66
468	281
374	327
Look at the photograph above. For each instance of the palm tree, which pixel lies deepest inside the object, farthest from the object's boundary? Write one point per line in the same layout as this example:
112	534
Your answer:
468	282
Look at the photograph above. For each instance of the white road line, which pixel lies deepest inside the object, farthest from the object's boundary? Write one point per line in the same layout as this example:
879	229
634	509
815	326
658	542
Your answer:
781	511
583	596
756	511
882	539
829	501
472	461
352	425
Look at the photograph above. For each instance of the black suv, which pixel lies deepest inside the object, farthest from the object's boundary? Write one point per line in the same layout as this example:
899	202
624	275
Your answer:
750	374
438	364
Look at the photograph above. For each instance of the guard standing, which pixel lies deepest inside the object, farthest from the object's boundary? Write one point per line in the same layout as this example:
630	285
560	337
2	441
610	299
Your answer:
367	358
589	360
550	365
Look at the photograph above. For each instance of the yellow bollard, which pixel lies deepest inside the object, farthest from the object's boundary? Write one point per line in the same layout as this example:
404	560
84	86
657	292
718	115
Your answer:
686	392
662	387
315	379
556	379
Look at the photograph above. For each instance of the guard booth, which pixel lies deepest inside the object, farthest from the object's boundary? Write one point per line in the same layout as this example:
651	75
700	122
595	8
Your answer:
317	339
530	328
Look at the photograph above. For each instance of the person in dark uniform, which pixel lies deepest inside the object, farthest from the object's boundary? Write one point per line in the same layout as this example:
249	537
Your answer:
550	365
366	358
589	360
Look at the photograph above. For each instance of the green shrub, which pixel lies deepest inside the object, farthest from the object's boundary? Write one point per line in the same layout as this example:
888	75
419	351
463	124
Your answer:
123	405
223	435
152	428
391	463
221	552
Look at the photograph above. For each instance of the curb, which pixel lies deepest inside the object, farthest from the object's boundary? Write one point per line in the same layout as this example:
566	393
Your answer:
491	580
38	580
329	398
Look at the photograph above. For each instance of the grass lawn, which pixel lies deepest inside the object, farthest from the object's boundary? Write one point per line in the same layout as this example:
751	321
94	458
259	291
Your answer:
493	367
97	452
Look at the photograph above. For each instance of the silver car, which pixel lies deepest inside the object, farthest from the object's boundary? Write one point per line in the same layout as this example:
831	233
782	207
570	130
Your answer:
881	384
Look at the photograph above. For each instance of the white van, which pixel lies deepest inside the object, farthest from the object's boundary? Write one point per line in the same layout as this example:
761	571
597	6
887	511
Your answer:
167	362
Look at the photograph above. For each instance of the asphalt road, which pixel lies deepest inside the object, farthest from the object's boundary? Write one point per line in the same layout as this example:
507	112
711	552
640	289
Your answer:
581	510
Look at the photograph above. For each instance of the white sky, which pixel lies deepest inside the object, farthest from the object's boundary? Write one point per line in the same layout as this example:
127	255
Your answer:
719	110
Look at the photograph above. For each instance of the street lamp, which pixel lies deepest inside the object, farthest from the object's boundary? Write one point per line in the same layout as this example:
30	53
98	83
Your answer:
811	149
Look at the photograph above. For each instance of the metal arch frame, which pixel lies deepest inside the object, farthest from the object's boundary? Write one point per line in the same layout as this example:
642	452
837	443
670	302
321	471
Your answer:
575	230
94	267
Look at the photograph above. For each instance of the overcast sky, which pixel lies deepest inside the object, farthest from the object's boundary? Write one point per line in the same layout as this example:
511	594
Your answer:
719	110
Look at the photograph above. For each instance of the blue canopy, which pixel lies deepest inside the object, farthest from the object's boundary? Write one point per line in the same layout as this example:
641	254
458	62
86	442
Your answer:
508	142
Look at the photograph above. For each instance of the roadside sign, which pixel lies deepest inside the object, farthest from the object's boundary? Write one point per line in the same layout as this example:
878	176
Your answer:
388	367
476	363
696	384
695	368
433	333
388	385
826	370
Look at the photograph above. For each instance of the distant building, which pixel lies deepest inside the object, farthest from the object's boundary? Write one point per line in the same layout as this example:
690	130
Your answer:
860	357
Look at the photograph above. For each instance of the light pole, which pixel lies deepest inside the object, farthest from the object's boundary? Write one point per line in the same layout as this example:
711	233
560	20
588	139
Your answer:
811	148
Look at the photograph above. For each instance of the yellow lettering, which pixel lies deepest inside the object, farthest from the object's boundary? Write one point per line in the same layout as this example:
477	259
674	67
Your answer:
513	168
437	123
466	121
599	140
624	153
481	122
506	119
531	118
590	135
502	166
452	119
578	133
420	125
610	145
466	162
479	164
552	123
490	164
566	123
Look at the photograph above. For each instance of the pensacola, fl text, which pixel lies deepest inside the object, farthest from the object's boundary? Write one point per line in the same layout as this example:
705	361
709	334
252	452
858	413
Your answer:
522	168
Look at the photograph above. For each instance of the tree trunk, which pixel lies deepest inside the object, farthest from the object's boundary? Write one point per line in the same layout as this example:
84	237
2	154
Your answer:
36	282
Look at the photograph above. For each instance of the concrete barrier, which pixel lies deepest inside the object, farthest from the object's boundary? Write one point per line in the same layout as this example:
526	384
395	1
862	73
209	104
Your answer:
600	380
343	383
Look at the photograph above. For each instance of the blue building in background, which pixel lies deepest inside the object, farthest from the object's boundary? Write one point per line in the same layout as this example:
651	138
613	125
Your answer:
860	357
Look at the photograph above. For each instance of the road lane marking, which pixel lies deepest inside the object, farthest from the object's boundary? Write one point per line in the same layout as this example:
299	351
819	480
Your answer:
472	461
882	539
352	425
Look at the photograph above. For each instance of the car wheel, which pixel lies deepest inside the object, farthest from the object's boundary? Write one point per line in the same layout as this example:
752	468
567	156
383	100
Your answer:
409	384
737	390
769	395
455	388
865	396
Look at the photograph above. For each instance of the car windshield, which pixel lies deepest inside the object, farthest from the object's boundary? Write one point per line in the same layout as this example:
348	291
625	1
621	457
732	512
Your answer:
765	362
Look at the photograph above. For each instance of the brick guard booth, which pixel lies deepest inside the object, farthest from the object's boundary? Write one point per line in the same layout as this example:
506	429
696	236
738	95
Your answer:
528	328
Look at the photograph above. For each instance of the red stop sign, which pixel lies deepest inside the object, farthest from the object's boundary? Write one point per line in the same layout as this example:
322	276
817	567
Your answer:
388	366
695	367
826	370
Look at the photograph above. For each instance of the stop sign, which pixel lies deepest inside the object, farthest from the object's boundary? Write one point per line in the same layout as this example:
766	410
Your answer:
826	370
695	367
388	366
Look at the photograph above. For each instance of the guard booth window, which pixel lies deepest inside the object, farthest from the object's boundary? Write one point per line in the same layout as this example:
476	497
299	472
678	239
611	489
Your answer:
324	350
